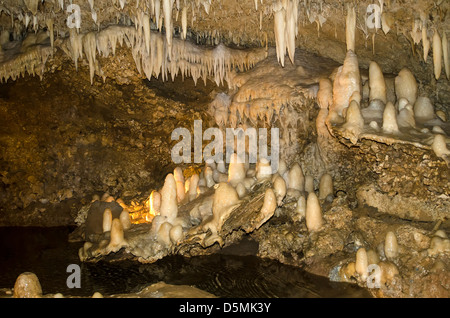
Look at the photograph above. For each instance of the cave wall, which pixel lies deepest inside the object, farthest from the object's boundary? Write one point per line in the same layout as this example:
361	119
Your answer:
120	113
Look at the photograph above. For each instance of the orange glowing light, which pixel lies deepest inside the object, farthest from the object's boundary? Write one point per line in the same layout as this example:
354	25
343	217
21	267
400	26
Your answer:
150	205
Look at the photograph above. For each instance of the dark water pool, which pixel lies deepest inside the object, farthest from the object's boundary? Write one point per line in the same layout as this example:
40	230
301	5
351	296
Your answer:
47	253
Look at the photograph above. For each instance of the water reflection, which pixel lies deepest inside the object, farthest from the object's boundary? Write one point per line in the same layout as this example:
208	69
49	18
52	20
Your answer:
47	253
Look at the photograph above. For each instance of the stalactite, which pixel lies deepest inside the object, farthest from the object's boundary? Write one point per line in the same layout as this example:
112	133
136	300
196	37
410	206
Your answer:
91	4
387	22
32	5
291	27
445	56
146	26
158	13
184	23
167	11
425	41
49	23
280	28
350	28
437	54
90	48
76	46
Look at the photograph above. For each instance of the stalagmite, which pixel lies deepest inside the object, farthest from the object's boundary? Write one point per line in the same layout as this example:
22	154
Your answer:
390	125
296	183
406	86
169	203
350	28
27	285
377	84
236	170
390	246
347	271
263	169
354	122
248	183
163	236
325	93
445	56
439	146
125	219
193	185
309	183
346	84
405	118
117	237
325	100
107	220
313	215
176	234
268	208
437	54
438	130
241	190
155	202
439	244
221	177
221	167
105	197
300	210
208	174
282	168
326	186
361	263
401	103
224	201
388	272
279	187
424	109
179	179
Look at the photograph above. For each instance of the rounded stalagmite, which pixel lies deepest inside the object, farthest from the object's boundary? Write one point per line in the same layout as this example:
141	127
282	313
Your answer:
406	86
325	186
362	263
279	187
27	286
125	219
107	220
313	216
390	246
